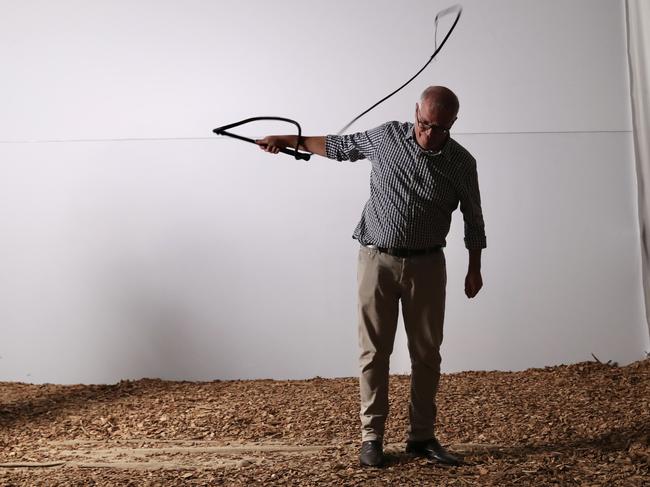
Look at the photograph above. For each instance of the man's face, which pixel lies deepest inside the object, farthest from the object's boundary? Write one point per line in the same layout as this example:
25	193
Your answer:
432	125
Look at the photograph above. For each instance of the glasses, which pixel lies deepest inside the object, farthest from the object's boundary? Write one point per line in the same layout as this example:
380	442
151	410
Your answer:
433	127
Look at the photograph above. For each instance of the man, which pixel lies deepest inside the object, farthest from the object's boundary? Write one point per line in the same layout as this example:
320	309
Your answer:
419	176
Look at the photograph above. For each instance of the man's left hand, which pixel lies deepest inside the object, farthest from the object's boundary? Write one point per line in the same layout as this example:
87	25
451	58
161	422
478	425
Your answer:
473	283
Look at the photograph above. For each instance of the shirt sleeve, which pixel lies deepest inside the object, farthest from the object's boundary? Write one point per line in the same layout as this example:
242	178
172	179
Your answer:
470	206
362	145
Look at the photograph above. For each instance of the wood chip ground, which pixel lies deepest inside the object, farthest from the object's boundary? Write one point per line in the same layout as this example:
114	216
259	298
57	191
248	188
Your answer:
585	424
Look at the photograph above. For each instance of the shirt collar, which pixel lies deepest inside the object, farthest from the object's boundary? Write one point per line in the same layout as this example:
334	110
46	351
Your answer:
445	148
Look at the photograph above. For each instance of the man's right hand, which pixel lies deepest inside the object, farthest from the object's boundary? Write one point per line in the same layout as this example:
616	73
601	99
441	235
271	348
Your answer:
273	143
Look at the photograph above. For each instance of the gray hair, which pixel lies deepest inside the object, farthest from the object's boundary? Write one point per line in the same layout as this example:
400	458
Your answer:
440	97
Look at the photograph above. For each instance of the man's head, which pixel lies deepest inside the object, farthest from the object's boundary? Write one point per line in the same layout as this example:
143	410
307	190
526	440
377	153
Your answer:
434	115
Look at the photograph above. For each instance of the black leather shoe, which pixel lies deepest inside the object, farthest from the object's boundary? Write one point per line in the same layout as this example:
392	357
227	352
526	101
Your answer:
433	451
372	454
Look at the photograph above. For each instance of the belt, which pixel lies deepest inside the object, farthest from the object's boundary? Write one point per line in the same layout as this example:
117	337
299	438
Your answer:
396	252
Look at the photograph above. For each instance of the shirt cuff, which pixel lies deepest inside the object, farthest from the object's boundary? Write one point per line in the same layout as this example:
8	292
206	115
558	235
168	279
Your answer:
475	243
331	146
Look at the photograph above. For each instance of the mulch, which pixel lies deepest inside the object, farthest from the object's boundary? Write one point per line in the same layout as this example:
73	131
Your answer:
585	424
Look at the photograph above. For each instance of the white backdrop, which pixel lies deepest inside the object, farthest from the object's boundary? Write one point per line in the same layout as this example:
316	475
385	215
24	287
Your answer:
134	243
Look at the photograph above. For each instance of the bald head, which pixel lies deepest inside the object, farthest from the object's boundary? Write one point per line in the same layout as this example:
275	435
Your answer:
434	115
440	98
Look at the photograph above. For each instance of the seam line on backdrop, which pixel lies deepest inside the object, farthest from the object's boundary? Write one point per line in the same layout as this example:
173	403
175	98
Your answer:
138	139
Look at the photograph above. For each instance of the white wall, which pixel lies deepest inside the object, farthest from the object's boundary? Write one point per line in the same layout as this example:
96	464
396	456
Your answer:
134	243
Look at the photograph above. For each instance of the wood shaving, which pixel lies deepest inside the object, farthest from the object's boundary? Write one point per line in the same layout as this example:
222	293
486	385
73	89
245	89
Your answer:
585	424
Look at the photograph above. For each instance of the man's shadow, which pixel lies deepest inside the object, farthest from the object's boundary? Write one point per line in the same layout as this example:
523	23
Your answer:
615	440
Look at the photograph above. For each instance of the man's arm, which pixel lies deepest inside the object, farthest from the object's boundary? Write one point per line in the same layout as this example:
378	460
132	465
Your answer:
470	205
473	280
273	143
351	147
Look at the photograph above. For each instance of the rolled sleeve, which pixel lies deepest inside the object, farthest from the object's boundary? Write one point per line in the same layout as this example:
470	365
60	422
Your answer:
361	145
470	206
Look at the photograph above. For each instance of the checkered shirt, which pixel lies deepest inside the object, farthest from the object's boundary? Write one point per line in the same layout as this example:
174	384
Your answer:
413	192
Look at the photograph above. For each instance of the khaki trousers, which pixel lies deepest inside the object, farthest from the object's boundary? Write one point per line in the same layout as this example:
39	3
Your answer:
419	283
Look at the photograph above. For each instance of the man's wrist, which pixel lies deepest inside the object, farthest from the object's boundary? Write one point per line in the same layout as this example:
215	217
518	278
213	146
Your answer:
474	260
